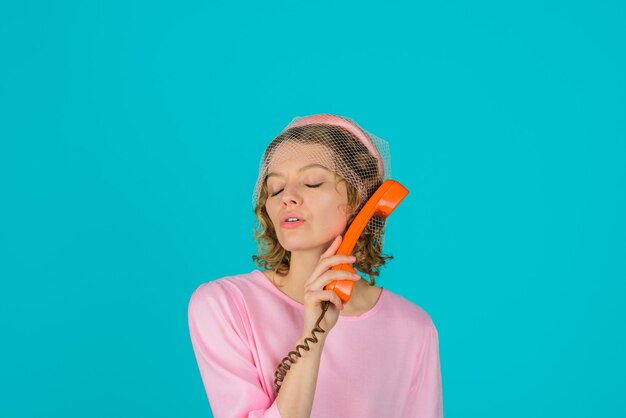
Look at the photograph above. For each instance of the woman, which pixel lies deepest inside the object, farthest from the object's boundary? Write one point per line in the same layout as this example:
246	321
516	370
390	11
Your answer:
378	355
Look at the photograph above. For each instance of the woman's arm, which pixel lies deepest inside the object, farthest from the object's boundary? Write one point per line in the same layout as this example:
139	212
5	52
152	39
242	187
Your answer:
426	396
295	398
301	379
225	361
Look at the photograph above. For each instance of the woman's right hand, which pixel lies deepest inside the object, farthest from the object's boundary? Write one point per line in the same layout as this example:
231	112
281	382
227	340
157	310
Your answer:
315	295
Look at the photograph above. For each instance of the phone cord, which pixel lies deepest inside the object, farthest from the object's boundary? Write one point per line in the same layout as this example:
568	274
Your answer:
283	367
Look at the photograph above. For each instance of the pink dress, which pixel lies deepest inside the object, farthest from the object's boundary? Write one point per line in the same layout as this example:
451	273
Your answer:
385	362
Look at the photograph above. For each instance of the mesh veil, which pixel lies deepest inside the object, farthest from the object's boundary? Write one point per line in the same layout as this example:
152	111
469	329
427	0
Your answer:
338	143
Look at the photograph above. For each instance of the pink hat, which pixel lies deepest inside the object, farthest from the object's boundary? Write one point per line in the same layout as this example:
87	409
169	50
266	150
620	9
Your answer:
355	130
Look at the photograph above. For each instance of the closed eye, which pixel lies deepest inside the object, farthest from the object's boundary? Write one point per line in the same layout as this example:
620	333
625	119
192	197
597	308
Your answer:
312	186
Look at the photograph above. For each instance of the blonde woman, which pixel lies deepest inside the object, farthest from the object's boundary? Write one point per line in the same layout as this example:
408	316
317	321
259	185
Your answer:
378	355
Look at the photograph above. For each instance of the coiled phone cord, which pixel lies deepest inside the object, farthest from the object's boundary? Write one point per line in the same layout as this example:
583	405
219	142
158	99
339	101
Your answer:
284	366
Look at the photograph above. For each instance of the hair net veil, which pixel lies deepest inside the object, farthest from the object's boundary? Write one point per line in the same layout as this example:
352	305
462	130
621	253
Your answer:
338	143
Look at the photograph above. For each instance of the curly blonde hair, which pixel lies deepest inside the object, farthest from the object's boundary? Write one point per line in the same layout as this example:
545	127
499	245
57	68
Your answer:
346	150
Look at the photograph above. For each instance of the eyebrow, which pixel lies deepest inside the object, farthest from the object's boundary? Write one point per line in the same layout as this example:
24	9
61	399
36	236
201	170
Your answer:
300	170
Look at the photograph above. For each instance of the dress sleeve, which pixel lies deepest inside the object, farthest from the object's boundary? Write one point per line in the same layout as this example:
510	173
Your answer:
224	358
426	399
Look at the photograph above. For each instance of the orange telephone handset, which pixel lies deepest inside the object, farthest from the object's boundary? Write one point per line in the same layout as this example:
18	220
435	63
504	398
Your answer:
382	203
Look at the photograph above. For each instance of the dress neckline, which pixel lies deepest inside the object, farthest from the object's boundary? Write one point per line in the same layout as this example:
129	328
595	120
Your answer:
381	299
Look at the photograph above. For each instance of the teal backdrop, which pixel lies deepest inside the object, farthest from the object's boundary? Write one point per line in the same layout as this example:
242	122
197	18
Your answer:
131	134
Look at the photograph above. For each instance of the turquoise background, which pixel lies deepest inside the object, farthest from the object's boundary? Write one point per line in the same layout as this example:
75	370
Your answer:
130	138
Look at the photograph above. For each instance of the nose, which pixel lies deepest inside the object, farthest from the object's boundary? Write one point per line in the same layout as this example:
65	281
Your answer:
290	196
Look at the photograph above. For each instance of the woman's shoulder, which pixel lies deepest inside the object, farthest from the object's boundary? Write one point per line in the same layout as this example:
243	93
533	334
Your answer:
221	300
224	287
402	307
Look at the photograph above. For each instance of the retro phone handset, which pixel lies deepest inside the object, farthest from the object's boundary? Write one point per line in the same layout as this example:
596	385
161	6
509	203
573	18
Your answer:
381	204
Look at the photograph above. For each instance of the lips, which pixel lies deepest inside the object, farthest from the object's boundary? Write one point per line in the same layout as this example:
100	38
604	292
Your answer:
286	224
291	214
